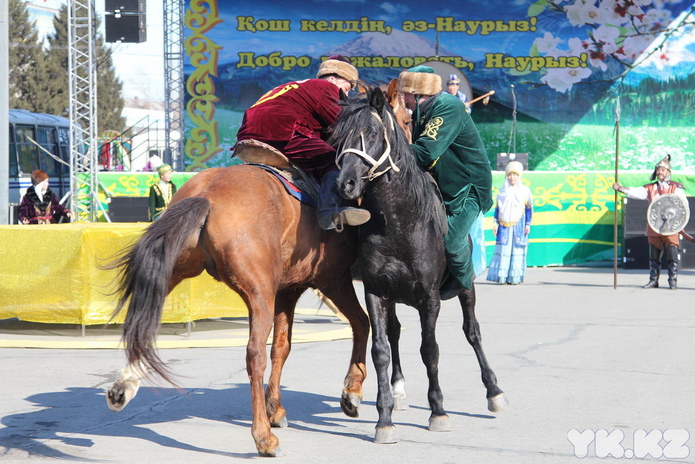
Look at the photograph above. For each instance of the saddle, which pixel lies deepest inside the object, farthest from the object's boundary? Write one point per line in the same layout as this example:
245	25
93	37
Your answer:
255	152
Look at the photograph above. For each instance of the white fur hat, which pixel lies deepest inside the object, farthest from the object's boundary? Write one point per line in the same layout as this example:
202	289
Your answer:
516	167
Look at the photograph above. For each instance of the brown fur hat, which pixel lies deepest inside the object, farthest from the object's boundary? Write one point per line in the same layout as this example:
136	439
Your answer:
340	66
420	80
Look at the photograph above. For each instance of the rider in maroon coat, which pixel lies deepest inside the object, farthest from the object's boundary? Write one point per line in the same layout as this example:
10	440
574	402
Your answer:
294	118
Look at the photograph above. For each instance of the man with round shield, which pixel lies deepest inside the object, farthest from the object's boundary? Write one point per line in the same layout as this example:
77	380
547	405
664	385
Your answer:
662	233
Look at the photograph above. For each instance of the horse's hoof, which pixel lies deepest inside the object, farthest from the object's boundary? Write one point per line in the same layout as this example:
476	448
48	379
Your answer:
120	395
440	424
497	403
277	453
350	404
279	423
400	404
385	435
268	447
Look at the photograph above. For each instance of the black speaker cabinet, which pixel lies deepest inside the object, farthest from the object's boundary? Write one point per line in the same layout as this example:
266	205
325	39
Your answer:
504	158
126	28
129	209
125	6
635	246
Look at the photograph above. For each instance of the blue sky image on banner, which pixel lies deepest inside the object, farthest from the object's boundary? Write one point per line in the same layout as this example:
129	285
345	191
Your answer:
557	68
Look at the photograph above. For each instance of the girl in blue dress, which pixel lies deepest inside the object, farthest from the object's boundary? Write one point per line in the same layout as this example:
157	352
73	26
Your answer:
511	227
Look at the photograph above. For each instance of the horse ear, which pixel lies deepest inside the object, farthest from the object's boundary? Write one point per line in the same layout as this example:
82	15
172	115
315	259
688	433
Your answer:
377	99
392	92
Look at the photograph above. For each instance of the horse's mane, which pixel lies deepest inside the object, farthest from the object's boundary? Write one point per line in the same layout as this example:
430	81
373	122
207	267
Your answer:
355	114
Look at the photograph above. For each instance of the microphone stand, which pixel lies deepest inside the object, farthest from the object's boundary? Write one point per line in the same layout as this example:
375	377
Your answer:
512	134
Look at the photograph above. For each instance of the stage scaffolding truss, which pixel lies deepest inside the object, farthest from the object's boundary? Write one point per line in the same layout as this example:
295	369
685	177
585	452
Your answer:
82	70
82	74
173	82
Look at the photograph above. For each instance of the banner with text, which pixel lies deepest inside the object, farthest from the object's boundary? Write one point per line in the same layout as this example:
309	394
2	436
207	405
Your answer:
558	69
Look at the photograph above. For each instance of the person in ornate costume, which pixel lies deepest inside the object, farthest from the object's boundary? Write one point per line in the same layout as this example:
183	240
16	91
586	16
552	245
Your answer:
294	118
659	245
162	192
512	225
453	86
447	144
39	204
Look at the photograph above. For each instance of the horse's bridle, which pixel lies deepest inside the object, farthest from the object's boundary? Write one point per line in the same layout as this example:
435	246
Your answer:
372	174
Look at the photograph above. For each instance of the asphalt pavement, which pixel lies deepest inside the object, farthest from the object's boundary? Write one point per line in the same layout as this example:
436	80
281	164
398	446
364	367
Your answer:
593	373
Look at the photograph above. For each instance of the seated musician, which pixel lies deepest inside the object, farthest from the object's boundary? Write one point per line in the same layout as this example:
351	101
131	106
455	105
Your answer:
39	204
294	118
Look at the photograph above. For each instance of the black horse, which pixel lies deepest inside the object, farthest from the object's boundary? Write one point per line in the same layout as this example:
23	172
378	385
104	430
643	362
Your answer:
401	252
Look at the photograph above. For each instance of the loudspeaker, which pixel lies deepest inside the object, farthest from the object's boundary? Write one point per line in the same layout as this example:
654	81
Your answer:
129	209
124	6
504	158
126	28
635	245
636	251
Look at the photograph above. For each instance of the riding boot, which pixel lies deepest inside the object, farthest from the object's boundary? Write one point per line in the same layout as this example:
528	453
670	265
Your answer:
332	214
654	266
450	288
673	263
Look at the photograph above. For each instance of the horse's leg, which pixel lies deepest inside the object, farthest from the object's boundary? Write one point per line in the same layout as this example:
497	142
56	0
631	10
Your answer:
397	379
285	303
385	430
126	386
429	352
342	293
496	400
260	322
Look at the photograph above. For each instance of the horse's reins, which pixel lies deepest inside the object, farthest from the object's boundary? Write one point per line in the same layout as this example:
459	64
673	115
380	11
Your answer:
372	174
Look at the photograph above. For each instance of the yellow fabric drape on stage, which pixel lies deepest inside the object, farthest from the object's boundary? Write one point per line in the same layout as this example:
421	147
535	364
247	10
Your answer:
52	273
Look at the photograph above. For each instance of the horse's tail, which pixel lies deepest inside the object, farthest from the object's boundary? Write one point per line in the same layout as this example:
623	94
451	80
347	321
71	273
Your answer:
145	270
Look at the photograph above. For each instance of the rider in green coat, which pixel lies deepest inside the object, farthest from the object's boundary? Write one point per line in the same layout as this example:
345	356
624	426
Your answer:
446	143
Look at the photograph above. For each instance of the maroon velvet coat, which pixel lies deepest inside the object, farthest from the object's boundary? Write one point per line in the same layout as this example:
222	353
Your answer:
294	118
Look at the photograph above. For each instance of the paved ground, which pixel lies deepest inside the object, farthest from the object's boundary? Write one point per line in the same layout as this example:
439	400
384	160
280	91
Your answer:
570	351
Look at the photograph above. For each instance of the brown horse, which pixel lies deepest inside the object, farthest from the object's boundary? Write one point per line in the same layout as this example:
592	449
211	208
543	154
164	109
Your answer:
397	102
239	225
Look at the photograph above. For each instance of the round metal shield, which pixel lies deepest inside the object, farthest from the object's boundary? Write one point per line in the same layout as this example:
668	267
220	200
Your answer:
668	214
